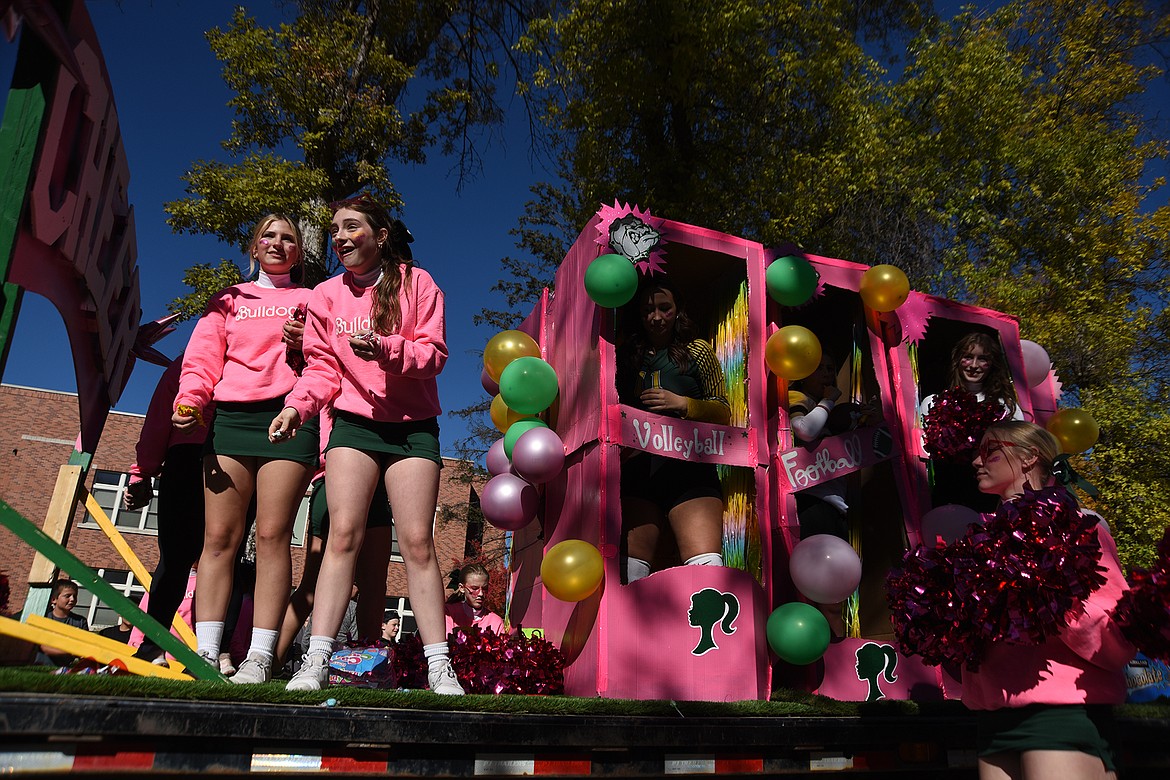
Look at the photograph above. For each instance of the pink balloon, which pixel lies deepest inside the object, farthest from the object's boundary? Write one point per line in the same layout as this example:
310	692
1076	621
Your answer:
1037	364
497	459
489	384
825	568
508	502
539	455
948	523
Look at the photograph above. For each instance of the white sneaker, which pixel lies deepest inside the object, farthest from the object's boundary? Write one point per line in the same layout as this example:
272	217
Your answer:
255	669
313	674
226	667
444	681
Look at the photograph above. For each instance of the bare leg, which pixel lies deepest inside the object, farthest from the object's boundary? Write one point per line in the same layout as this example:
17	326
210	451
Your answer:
642	523
698	526
349	482
300	604
1000	766
229	484
370	577
280	486
1061	765
413	487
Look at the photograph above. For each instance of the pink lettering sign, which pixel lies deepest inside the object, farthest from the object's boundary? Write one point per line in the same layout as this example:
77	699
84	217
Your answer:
834	456
683	439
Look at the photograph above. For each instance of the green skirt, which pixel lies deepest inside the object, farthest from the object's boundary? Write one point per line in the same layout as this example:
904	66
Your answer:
379	515
415	439
1080	728
242	429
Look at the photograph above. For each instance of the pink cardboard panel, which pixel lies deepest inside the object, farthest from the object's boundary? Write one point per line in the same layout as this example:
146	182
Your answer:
869	670
835	456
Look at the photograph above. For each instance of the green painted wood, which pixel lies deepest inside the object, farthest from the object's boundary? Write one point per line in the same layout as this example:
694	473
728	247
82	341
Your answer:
87	578
20	131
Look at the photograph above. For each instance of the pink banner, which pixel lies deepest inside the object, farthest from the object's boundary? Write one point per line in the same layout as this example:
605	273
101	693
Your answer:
683	439
835	457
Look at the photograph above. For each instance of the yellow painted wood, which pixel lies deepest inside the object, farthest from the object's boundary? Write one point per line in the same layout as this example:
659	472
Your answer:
58	519
140	572
43	631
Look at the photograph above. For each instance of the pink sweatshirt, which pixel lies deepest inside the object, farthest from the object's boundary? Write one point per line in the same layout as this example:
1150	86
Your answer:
460	614
1084	664
158	434
236	352
397	387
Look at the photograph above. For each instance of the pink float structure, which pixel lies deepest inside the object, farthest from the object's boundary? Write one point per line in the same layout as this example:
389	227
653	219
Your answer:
698	632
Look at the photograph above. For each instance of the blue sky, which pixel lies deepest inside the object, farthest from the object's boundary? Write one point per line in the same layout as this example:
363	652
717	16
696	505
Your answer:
172	108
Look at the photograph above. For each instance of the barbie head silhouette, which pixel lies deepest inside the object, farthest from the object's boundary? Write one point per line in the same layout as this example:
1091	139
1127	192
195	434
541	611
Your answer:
874	660
709	607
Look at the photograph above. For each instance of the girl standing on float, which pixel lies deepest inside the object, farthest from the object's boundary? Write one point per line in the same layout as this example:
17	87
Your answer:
375	340
1043	710
977	366
665	369
238	359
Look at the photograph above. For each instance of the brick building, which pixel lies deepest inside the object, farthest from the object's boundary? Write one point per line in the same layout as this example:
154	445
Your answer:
38	429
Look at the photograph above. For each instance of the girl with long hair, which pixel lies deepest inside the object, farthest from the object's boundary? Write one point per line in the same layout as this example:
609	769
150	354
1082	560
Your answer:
375	341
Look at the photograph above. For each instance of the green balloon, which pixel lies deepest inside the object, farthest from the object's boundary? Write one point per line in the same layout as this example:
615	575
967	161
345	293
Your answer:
611	281
528	385
518	429
798	633
791	280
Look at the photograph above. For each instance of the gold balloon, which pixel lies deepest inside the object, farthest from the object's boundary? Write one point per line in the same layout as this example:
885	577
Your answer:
571	570
503	415
793	352
1075	429
884	287
505	347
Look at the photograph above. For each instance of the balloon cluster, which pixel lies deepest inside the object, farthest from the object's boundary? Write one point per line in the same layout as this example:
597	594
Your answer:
1012	580
955	424
530	453
826	570
1143	613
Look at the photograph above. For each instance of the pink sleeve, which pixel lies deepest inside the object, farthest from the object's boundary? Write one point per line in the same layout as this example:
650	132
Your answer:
204	356
321	379
492	622
155	438
1092	634
424	355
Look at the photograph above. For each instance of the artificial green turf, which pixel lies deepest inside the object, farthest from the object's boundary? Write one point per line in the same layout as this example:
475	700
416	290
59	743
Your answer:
784	703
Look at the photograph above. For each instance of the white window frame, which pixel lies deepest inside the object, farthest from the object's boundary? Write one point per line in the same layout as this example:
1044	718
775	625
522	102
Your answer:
122	581
108	489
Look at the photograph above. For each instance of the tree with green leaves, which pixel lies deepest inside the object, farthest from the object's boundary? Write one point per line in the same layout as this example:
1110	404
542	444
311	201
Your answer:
323	103
997	157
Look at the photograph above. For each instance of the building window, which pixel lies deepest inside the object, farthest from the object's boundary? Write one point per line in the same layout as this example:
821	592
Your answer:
100	615
108	488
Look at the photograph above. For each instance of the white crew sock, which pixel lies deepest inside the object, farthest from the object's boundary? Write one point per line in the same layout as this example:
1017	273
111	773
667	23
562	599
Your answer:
705	559
437	655
263	642
208	637
636	569
321	644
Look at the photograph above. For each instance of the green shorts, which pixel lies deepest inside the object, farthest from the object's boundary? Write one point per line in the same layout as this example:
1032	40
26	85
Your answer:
415	439
242	429
379	516
1080	728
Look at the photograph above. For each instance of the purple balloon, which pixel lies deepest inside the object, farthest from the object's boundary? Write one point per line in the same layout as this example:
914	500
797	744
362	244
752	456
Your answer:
489	384
539	455
825	568
497	459
508	502
947	522
1037	364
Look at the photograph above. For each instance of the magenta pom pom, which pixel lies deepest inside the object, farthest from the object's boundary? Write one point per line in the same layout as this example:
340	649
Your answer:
1143	613
955	424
